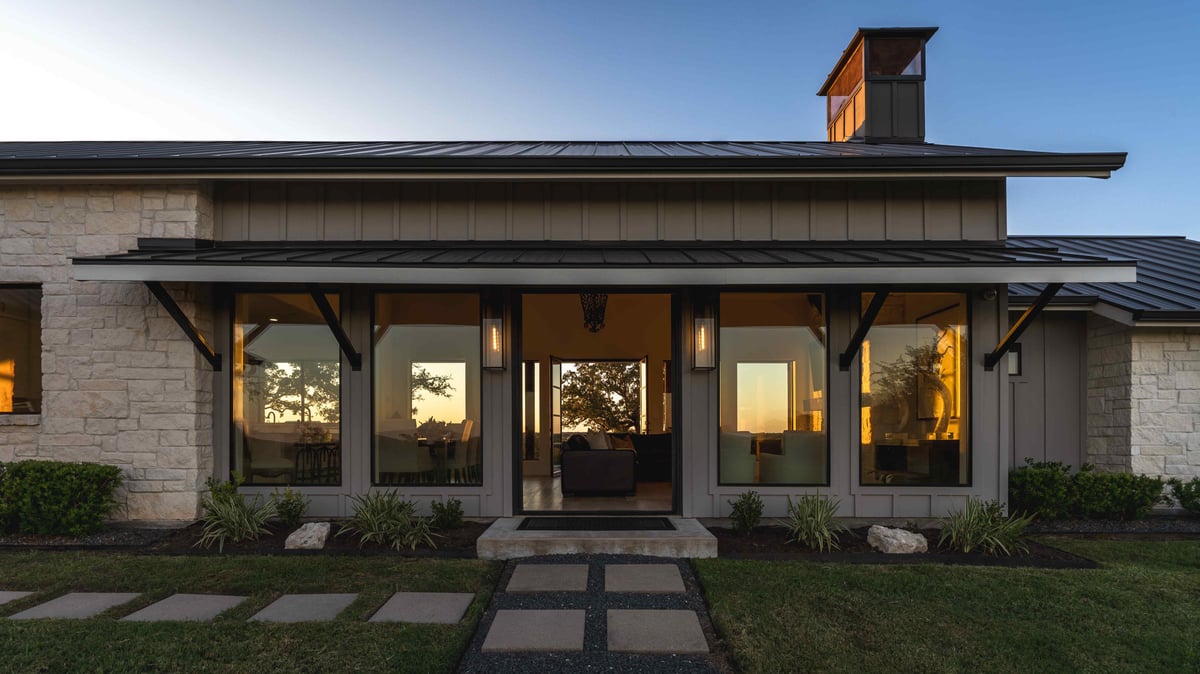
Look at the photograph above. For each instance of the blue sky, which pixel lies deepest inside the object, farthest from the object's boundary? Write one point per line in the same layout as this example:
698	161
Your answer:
1048	75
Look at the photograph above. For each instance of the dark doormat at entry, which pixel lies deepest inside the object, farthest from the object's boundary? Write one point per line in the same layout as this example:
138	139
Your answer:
596	524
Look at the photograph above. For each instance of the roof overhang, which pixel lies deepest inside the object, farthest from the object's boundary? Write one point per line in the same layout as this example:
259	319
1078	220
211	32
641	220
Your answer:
474	264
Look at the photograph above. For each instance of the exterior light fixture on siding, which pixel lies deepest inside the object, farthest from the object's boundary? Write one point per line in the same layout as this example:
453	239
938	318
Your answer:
704	335
493	335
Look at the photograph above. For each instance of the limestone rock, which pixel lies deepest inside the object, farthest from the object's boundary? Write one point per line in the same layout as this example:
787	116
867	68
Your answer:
311	536
896	541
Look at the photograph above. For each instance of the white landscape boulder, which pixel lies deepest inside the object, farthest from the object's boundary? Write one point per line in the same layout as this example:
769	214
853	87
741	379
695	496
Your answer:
896	541
311	536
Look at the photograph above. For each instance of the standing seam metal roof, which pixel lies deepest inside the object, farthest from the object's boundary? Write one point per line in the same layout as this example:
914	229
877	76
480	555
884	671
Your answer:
1168	285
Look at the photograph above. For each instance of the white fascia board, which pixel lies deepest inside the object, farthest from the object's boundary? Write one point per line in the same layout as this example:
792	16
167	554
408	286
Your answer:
609	276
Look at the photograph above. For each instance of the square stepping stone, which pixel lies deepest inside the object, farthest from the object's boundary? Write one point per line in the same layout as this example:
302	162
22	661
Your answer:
424	607
655	631
76	605
195	607
527	630
642	578
549	578
6	597
298	608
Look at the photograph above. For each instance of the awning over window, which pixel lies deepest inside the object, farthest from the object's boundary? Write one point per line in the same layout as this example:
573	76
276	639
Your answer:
614	264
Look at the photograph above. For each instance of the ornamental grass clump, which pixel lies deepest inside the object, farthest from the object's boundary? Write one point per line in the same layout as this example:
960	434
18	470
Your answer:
229	517
747	512
810	521
981	526
448	515
383	517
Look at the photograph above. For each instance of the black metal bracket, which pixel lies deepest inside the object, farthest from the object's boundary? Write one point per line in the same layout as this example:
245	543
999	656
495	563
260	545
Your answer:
1018	328
868	318
335	326
189	329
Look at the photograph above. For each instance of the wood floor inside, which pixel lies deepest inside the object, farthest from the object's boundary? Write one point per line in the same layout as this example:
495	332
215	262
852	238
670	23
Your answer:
545	494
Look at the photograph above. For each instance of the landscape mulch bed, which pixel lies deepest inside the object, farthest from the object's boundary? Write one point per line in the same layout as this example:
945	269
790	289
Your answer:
458	542
770	543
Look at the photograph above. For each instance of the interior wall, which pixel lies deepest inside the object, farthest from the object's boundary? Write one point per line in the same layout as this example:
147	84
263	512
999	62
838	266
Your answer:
636	326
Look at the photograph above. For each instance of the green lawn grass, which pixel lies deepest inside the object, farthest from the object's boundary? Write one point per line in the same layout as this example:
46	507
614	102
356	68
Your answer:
1139	612
230	643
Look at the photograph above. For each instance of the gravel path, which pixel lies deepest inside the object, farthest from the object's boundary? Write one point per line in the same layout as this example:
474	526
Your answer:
597	602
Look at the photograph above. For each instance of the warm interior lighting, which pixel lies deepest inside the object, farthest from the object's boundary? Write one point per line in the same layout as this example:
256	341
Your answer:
705	355
493	350
8	378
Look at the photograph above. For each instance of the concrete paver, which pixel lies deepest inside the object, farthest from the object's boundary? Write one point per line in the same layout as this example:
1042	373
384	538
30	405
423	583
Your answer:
424	607
190	607
548	578
655	631
296	608
642	578
76	605
536	630
7	596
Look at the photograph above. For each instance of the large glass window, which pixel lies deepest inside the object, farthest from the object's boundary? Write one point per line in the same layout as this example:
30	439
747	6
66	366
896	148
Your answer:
20	350
772	366
914	398
286	391
427	378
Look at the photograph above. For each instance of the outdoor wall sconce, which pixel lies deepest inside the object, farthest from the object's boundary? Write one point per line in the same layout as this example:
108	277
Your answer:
493	336
704	336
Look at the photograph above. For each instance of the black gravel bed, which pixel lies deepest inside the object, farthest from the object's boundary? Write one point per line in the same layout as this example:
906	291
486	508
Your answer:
116	537
1153	524
597	602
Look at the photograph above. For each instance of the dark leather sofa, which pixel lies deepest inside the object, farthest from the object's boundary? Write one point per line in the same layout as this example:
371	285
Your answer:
589	471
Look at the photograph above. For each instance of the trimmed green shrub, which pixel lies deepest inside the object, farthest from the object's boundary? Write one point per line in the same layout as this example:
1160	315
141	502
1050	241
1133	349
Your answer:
810	521
1041	489
1121	496
228	516
981	525
747	512
290	507
383	517
448	515
1187	494
55	497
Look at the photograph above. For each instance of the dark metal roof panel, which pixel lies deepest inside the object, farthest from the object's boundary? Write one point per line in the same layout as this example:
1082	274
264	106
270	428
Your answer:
1168	284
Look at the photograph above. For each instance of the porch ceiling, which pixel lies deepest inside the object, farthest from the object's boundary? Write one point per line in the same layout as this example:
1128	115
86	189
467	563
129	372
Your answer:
615	264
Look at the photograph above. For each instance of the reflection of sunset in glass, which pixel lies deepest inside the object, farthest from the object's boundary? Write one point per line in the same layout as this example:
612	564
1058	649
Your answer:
762	397
450	408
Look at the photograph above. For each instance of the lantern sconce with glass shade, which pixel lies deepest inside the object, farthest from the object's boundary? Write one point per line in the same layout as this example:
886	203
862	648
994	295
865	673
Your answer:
493	334
704	333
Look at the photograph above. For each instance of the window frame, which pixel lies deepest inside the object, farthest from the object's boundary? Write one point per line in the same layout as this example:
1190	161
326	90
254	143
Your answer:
36	287
825	294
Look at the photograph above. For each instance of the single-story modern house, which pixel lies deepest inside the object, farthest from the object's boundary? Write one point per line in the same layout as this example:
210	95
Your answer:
846	316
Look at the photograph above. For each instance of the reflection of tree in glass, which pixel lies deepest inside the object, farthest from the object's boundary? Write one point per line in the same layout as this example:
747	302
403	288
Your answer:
917	372
602	396
305	389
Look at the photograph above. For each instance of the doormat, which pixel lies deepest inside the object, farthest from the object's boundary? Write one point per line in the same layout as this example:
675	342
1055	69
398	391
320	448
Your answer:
596	524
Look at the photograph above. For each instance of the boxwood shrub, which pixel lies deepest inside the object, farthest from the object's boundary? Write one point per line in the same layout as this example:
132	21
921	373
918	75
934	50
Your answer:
54	497
1048	490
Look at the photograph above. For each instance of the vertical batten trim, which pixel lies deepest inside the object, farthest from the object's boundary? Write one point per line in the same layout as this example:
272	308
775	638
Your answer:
774	225
623	221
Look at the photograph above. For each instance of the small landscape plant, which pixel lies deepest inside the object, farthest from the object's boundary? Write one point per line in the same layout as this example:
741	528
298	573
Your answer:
810	521
290	507
229	517
981	526
1042	489
747	512
383	517
1187	494
56	497
448	515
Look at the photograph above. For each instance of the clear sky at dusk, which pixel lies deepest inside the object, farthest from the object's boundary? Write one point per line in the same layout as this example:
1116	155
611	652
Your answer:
1046	75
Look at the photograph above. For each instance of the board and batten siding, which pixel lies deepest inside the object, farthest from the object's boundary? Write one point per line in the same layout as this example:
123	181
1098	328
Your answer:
831	210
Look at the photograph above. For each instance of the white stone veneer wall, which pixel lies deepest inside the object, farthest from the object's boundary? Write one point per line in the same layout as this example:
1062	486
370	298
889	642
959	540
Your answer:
121	383
1165	414
1109	363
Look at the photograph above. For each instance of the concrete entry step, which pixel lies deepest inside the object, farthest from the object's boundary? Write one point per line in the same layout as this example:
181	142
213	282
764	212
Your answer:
503	540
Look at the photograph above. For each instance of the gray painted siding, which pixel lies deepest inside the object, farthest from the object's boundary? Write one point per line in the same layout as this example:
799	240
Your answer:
675	211
1048	398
